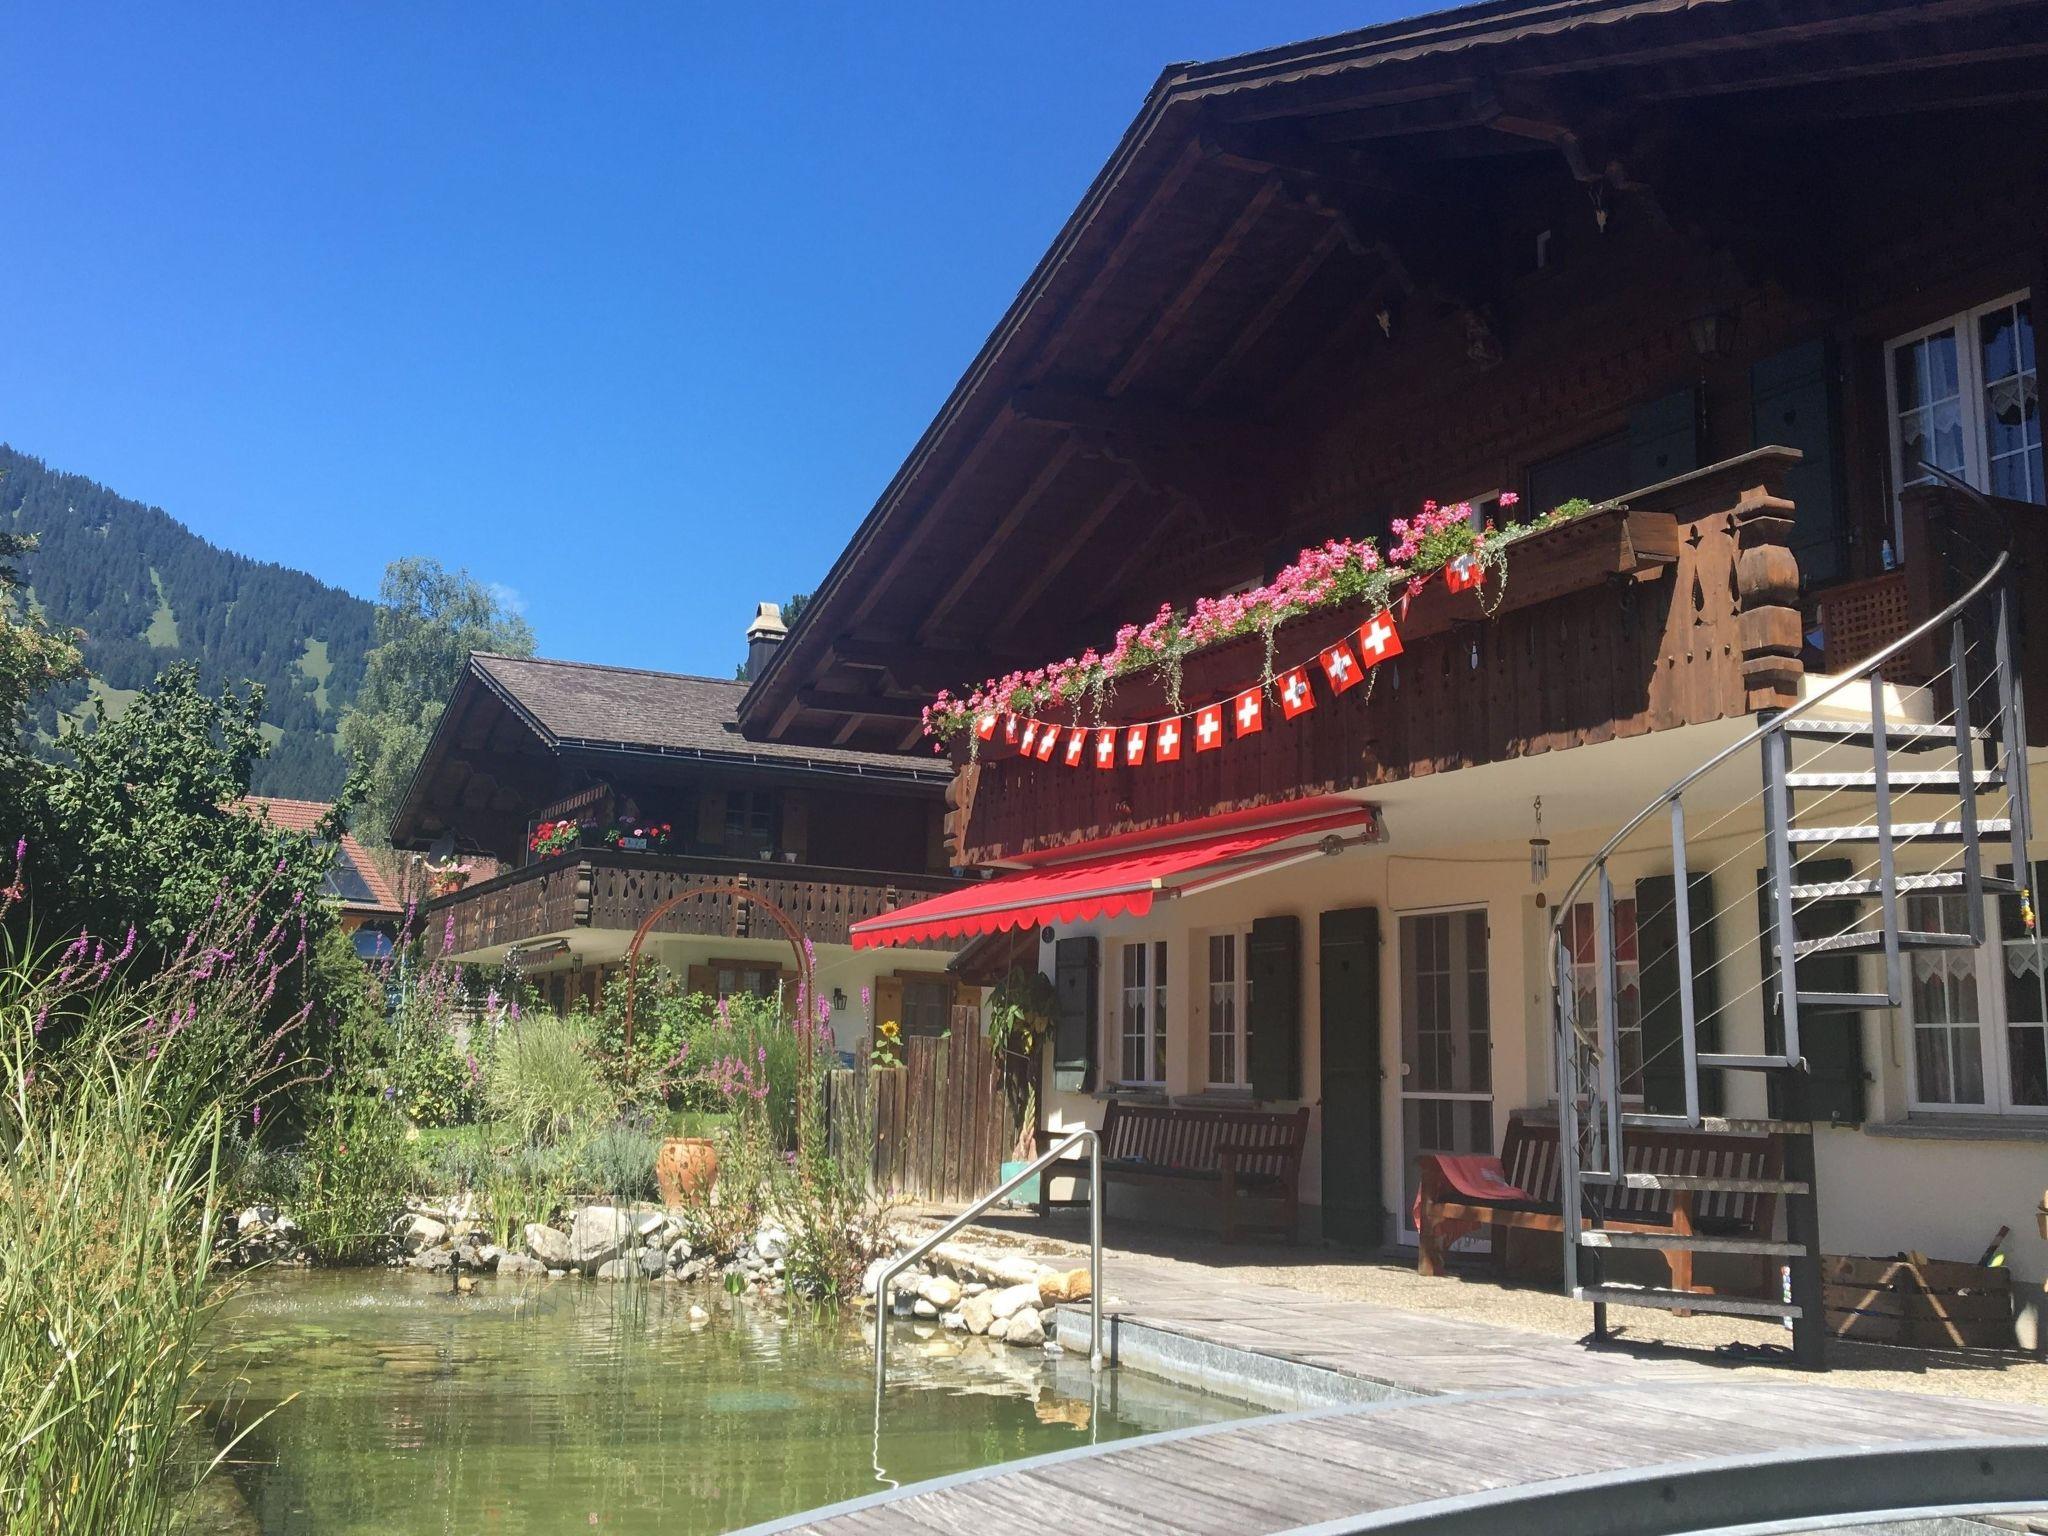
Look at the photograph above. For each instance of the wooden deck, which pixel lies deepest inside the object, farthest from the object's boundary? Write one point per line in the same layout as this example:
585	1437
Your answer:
1668	1456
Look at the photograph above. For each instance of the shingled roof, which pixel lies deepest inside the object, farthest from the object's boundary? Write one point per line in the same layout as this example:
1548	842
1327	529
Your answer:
356	878
580	704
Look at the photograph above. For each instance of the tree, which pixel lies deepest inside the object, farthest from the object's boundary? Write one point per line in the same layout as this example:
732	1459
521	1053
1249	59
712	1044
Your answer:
429	620
33	658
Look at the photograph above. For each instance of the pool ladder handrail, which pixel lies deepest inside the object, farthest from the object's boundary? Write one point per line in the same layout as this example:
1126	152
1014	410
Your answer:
1043	1160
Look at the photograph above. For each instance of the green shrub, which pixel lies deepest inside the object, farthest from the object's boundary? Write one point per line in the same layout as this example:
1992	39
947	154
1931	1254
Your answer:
618	1162
542	1080
437	1084
357	1173
701	1054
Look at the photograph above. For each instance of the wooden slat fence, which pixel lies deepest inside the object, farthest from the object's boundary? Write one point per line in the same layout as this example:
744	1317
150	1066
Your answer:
939	1125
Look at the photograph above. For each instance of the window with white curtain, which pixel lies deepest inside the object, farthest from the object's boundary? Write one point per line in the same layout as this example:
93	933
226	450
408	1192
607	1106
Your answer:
1979	1037
1965	396
1228	997
1142	1013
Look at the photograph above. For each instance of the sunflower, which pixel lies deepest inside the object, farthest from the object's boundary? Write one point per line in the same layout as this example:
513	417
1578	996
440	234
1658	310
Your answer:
889	1029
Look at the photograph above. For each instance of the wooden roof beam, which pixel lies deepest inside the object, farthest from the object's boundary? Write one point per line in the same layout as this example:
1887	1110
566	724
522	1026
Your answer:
1275	304
865	706
993	543
1052	570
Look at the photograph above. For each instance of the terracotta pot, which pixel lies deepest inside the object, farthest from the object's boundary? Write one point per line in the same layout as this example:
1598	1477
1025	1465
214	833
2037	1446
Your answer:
685	1166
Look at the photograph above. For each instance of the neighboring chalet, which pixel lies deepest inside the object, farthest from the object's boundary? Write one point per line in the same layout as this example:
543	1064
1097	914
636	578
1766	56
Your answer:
370	908
1729	270
616	799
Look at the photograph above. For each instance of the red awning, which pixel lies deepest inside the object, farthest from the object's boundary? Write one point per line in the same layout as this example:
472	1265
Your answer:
1089	885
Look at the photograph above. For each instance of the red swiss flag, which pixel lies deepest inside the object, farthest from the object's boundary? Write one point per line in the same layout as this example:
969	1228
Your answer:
1077	746
1134	745
1010	729
1463	574
985	727
1105	747
1209	728
1378	640
1296	696
1048	738
1341	667
1029	744
1250	710
1166	742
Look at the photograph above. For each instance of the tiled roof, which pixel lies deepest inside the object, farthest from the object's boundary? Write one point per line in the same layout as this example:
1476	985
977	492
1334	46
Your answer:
582	704
369	891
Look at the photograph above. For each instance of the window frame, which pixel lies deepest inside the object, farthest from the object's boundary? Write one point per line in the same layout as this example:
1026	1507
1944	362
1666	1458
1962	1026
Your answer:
1239	939
1628	961
1993	1025
1151	954
1969	398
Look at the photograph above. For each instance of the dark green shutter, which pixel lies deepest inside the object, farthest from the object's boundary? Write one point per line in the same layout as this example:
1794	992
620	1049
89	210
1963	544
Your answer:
1657	949
1664	439
1793	404
1273	1015
1348	943
1831	1039
1076	967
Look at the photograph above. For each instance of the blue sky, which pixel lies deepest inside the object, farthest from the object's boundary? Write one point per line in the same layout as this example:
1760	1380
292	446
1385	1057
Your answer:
630	309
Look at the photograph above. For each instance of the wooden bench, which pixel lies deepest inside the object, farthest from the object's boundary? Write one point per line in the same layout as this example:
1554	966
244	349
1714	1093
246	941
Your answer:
1529	1161
1246	1156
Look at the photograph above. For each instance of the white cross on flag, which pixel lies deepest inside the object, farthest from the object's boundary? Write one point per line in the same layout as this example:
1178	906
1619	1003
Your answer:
1209	728
1010	729
1341	667
1166	744
1378	640
1077	746
1250	716
1105	747
985	727
1462	574
1048	738
1296	696
1029	744
1134	745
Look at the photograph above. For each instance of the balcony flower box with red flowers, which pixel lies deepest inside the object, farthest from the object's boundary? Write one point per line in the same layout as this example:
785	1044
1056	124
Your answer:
552	837
651	837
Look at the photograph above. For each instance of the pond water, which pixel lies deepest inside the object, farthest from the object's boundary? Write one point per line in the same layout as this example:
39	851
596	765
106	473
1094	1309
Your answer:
400	1408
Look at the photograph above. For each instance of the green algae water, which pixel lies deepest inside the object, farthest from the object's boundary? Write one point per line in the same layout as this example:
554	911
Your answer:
397	1408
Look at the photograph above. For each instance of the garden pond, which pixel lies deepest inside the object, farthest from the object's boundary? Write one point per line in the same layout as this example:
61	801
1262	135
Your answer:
395	1406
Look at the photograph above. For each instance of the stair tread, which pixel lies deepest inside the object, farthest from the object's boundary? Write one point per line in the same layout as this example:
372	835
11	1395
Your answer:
1685	1301
1897	730
1846	1000
1901	830
1712	1181
1915	779
1595	1237
1941	880
1868	941
1719	1125
1736	1061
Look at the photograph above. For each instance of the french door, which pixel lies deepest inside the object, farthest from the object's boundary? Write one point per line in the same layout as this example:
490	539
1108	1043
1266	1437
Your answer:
1446	1042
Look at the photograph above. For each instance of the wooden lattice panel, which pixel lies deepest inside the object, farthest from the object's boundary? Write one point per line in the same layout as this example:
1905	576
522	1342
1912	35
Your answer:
1861	617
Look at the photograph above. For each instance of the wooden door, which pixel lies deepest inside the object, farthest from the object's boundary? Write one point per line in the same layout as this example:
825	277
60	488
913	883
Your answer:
1349	943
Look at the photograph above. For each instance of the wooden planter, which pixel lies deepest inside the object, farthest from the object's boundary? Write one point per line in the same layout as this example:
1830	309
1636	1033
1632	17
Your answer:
1931	1304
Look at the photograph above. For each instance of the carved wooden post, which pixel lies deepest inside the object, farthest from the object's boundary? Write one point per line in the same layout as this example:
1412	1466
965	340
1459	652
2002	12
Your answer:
1769	628
960	807
585	890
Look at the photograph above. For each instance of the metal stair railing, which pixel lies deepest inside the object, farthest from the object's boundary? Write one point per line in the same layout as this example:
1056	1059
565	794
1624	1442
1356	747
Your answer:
1591	1086
1044	1160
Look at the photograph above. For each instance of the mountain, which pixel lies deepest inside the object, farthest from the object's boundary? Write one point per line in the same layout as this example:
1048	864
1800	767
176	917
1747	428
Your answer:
147	591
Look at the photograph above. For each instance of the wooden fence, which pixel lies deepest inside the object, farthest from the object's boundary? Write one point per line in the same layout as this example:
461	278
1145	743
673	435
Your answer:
940	1124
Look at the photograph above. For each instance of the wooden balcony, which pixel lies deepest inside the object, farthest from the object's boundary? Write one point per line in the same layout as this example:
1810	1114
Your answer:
609	889
1677	606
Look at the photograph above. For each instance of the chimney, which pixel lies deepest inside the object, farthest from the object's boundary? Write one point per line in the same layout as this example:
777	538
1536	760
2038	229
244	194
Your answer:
763	636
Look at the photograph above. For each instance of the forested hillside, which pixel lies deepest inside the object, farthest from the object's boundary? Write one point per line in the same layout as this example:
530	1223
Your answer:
147	591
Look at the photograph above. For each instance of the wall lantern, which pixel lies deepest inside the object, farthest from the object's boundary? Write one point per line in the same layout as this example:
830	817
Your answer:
839	999
1539	849
1712	335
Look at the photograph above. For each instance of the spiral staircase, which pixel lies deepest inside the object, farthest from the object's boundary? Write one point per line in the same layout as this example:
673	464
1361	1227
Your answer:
1919	790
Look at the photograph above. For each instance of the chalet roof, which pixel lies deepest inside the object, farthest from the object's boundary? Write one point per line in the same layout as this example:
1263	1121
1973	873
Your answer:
1210	304
355	876
582	704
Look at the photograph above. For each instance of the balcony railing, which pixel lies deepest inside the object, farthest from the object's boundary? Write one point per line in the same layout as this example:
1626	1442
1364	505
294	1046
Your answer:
611	889
1677	605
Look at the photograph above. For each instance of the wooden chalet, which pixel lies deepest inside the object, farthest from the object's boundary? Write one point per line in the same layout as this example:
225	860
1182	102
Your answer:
1730	271
603	802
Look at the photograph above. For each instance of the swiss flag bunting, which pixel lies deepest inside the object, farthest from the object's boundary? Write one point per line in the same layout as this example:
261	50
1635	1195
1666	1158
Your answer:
985	727
1105	747
1341	667
1250	711
1048	738
1296	696
1378	640
1166	742
1463	574
1077	746
1134	745
1209	728
1010	729
1029	744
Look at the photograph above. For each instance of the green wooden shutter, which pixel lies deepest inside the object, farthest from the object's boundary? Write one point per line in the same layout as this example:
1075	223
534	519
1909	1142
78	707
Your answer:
1348	943
1657	948
1832	1040
1794	404
1273	1013
1664	438
1076	966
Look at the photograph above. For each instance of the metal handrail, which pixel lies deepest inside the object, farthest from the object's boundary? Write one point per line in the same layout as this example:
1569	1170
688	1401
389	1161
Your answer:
1044	1159
1861	672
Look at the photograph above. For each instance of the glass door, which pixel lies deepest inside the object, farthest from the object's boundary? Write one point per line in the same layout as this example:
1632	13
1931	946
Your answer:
1446	1042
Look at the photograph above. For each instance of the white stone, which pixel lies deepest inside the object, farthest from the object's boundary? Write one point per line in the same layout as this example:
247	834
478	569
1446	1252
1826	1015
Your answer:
547	1245
699	1315
872	1276
923	1308
771	1243
977	1312
942	1291
953	1322
999	1329
617	1269
1025	1328
973	1288
1014	1299
418	1232
599	1233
